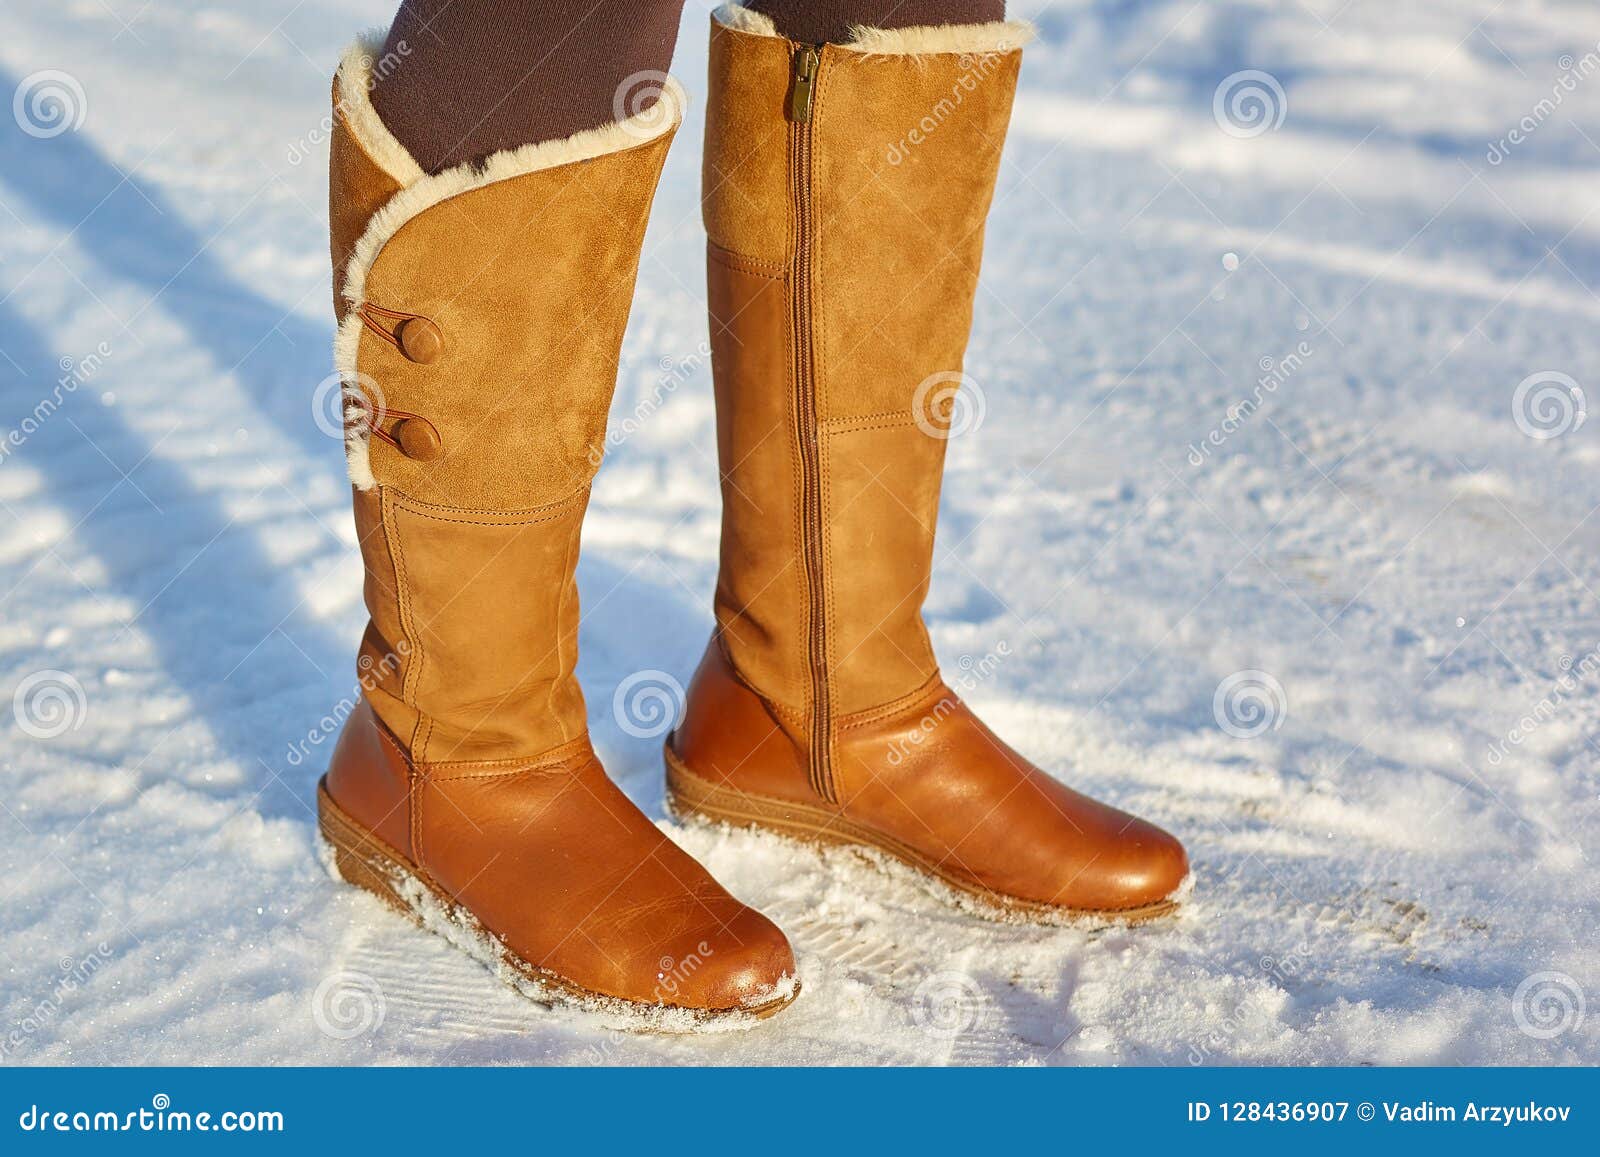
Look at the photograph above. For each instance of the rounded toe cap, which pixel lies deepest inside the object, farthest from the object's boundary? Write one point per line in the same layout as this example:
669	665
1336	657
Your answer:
1150	867
1128	866
746	963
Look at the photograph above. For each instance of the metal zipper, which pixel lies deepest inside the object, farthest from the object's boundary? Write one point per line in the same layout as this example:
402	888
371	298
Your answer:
807	61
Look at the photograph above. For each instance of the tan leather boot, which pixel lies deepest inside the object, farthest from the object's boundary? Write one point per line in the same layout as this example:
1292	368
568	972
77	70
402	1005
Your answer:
482	313
846	189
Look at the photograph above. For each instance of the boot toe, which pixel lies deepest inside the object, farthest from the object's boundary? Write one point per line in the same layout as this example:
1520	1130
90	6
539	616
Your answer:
1149	866
746	964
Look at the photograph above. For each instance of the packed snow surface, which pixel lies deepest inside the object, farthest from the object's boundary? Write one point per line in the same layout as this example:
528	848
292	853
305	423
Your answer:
1274	520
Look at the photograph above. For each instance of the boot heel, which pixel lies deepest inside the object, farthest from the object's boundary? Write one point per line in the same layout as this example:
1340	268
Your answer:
358	857
683	799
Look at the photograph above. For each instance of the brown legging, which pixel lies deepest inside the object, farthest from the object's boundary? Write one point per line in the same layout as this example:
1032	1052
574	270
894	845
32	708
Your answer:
466	78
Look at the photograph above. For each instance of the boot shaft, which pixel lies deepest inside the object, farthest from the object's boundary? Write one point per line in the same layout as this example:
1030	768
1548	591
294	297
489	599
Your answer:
846	189
481	313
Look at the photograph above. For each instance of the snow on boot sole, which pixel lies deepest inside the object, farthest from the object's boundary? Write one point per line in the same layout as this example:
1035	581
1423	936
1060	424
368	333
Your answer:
690	796
361	859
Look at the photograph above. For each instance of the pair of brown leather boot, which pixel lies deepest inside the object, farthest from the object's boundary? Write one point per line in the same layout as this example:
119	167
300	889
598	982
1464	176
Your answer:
482	313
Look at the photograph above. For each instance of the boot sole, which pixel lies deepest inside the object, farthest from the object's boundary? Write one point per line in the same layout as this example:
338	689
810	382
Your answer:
692	796
362	859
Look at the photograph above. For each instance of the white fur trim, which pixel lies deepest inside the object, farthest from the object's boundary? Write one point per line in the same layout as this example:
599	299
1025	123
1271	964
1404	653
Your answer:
358	450
355	102
923	40
742	19
420	191
929	39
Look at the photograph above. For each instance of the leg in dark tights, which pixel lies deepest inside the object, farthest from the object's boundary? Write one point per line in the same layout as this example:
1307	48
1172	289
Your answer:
816	21
471	77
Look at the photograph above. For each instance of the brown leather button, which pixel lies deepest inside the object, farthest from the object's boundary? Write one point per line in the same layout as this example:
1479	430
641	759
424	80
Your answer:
420	340
418	439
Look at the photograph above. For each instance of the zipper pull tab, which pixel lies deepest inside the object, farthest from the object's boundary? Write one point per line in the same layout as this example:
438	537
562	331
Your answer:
806	61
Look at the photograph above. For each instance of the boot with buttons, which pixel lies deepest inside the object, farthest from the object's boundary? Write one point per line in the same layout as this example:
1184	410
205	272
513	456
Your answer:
481	313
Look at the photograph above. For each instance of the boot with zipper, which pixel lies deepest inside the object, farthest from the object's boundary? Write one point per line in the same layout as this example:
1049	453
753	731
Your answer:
481	316
846	188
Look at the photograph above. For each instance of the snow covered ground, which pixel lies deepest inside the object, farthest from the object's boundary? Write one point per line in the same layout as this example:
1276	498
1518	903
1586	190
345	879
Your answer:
1394	540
